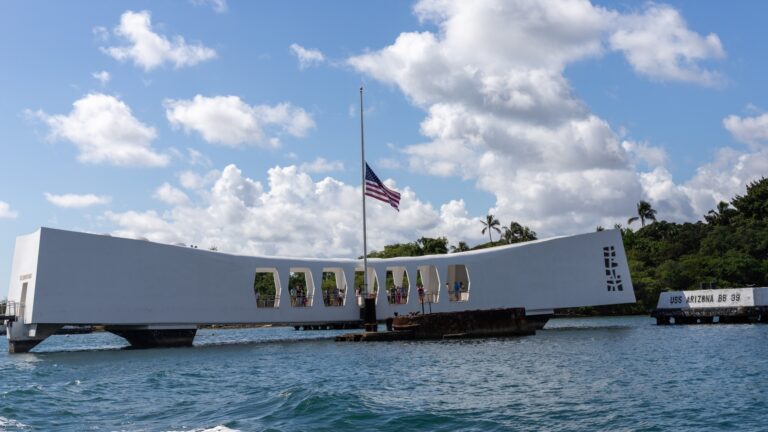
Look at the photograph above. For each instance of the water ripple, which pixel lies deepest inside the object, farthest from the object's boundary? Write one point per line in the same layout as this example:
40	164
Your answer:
619	374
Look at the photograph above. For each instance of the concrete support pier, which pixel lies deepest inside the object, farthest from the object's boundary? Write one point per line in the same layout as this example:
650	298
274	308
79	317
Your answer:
537	322
156	337
23	337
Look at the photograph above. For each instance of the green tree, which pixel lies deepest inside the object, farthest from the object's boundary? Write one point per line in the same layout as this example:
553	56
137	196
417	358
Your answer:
461	247
517	233
644	211
373	282
397	250
722	215
422	246
753	205
264	284
329	283
490	223
432	246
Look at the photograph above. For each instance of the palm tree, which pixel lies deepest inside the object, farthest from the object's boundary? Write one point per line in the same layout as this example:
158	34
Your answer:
517	233
721	216
644	211
461	247
490	223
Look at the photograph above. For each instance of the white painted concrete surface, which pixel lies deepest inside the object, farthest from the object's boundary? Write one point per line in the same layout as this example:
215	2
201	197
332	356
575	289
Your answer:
714	298
78	278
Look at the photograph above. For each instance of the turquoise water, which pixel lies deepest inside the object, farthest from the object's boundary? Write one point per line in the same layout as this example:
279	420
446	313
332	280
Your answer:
617	374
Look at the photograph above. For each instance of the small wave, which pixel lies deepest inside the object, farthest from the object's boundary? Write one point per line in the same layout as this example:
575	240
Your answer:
219	428
33	389
11	423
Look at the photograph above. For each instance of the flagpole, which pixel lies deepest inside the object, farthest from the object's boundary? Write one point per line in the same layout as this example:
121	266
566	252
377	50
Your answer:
365	236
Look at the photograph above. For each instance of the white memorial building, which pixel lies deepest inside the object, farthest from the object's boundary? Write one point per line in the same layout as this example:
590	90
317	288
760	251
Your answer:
157	294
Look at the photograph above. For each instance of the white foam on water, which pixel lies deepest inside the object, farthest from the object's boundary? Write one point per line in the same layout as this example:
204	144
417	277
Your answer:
220	428
11	423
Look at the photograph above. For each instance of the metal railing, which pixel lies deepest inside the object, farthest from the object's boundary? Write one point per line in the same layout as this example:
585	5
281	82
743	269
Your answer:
10	310
301	300
267	301
333	299
425	297
329	299
462	296
429	297
397	298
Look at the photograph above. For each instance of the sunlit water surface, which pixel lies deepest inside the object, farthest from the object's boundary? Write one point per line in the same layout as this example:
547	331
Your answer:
578	374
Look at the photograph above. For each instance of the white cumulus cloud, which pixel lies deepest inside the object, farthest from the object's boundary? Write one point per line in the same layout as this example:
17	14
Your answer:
658	44
77	200
102	77
646	153
229	121
219	6
293	216
727	175
193	181
307	57
749	130
150	50
104	130
170	195
6	212
145	225
322	165
198	158
499	110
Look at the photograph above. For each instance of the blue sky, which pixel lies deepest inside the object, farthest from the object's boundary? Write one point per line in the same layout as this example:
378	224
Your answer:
235	124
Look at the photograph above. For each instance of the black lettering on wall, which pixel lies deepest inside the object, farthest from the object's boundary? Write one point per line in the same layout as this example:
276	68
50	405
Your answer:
613	279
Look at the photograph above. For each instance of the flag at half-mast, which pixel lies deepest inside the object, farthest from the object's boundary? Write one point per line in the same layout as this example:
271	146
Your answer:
374	188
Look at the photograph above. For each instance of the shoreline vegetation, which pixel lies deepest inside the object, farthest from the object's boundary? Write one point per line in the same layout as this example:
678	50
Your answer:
728	249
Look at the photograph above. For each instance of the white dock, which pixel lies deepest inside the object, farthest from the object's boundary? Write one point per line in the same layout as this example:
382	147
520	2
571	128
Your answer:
713	306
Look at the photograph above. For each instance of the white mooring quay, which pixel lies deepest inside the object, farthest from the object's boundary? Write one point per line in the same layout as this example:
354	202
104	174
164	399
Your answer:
156	294
713	306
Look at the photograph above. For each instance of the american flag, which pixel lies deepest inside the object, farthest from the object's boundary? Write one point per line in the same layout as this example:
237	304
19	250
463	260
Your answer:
374	188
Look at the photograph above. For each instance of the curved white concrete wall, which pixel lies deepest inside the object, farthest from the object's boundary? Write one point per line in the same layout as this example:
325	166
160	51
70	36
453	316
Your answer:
77	278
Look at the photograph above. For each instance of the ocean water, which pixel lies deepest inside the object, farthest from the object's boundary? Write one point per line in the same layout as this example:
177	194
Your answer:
583	374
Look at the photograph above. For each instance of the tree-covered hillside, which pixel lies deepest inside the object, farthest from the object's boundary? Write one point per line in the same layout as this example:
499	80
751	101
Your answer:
729	249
